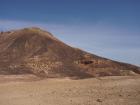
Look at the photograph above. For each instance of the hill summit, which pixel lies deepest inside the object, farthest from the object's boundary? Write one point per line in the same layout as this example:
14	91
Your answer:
38	52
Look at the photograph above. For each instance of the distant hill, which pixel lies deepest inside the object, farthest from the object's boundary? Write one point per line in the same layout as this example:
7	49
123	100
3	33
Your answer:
38	52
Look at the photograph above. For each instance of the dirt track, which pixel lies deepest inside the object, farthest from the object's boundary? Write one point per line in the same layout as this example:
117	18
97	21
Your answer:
95	91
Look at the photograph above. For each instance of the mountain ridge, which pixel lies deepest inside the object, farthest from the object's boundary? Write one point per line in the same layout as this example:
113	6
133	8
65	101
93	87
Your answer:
33	50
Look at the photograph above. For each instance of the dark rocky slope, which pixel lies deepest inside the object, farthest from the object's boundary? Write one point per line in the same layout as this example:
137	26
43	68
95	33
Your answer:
32	50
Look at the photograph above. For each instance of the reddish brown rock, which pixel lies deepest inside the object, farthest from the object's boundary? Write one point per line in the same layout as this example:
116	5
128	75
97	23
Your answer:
32	50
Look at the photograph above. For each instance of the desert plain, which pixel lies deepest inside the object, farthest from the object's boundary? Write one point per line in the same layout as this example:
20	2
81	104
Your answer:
29	90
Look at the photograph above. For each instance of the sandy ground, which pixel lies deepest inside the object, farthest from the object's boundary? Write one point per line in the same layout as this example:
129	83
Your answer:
94	91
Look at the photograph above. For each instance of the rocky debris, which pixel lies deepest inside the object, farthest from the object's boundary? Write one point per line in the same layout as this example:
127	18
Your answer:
99	100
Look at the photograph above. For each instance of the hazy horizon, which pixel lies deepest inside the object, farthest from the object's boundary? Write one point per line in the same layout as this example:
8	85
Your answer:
108	28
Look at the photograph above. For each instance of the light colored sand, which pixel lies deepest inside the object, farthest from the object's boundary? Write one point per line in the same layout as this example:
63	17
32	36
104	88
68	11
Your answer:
95	91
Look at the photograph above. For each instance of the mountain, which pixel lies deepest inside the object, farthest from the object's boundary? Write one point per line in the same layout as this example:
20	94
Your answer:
38	52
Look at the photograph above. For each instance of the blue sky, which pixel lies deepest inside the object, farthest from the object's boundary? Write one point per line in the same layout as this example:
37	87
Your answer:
109	28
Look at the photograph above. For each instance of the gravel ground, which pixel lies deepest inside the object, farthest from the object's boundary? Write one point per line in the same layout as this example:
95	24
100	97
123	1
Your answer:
93	91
